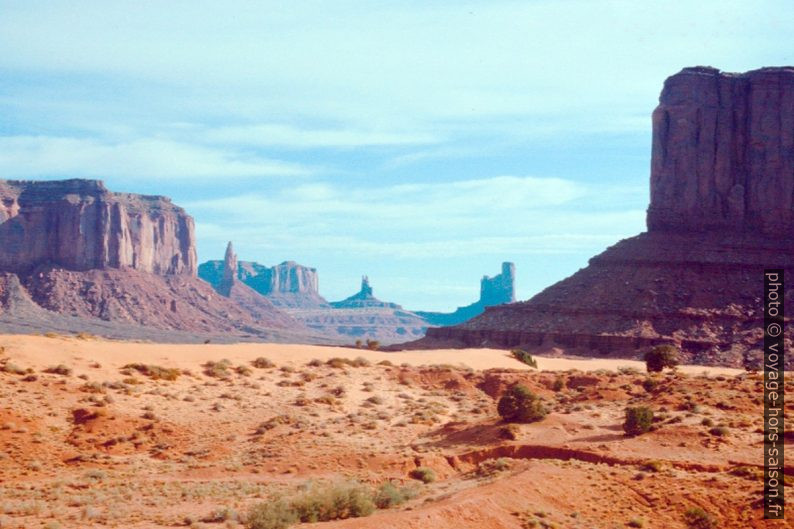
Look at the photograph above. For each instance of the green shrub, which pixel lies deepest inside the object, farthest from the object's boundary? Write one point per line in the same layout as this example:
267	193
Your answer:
525	357
697	518
519	404
660	357
423	474
322	503
390	495
638	420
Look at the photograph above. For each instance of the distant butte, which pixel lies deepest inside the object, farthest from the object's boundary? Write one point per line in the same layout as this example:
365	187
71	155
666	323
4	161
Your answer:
721	209
77	257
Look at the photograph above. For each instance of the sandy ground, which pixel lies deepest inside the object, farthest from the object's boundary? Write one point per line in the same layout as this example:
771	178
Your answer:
38	351
97	443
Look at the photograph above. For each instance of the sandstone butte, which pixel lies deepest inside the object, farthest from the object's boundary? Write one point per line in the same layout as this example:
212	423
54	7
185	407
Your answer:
721	210
77	257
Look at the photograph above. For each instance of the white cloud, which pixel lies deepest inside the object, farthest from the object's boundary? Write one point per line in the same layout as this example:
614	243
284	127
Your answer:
488	216
47	156
279	135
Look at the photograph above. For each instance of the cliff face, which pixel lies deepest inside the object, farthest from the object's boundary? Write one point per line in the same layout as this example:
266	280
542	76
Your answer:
721	210
80	225
288	284
723	152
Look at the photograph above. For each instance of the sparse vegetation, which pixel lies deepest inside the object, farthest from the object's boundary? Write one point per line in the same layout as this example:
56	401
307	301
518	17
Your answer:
155	372
263	363
525	357
661	357
219	369
315	503
519	404
697	518
373	345
423	474
639	420
60	369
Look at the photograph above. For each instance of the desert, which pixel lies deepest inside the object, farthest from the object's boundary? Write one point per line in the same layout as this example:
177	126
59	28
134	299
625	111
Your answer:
396	265
100	433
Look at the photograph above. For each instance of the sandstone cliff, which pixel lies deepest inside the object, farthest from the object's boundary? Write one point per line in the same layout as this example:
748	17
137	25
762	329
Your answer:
80	225
77	257
286	285
723	152
722	178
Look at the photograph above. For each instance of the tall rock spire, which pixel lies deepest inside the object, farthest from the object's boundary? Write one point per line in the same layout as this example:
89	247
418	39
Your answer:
229	270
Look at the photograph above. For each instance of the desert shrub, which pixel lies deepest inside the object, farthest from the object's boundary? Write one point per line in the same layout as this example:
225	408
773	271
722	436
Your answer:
490	467
660	357
638	420
60	369
697	518
707	422
155	372
8	367
652	465
275	514
390	495
636	522
263	363
525	357
322	503
218	369
423	474
221	515
509	432
243	371
373	345
719	431
315	362
650	384
519	404
337	362
558	384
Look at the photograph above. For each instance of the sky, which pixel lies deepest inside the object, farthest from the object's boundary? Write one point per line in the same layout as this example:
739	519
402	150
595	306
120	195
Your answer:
421	143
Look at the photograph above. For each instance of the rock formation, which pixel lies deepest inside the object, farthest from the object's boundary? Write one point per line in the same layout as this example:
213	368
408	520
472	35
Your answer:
286	285
363	299
75	256
722	209
229	271
80	225
723	152
495	290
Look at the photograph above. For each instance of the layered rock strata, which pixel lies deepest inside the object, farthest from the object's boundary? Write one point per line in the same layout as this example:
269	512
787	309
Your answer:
722	210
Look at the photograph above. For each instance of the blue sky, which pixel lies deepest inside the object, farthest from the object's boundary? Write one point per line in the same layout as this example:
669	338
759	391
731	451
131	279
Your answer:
419	142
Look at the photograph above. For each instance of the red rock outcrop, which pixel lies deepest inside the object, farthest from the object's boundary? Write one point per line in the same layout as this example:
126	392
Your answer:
76	257
722	210
80	225
286	285
723	152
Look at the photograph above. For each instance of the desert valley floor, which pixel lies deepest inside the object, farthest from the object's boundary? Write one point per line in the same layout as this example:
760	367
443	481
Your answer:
94	434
